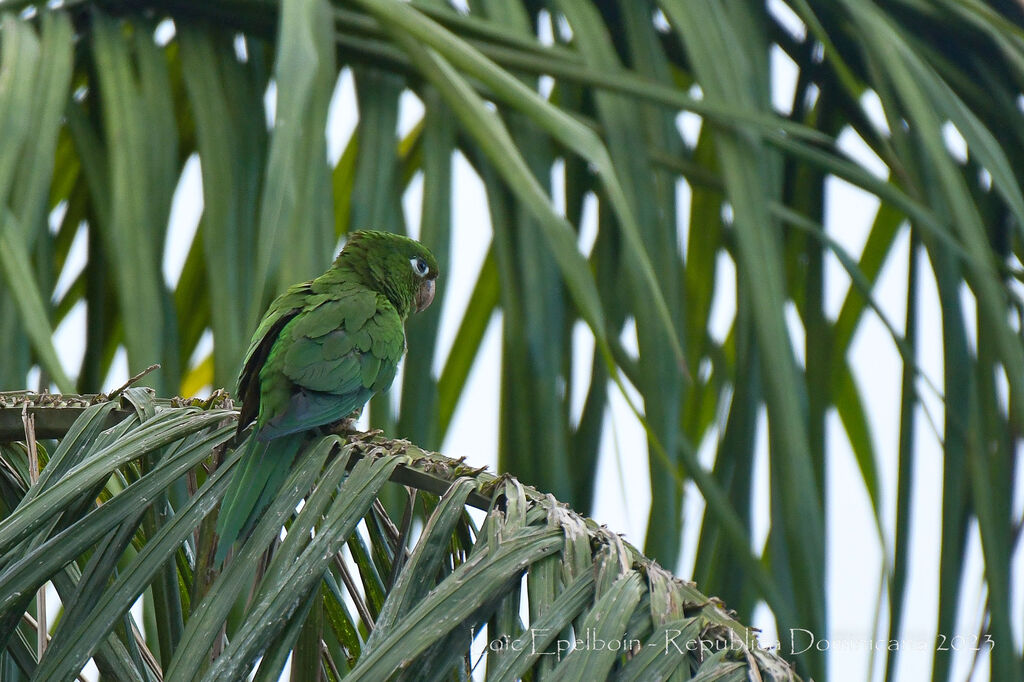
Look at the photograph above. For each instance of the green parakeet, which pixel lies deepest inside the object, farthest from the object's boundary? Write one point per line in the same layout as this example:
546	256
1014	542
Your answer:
321	351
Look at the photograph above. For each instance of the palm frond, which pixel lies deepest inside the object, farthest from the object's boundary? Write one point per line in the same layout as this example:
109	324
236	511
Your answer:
417	604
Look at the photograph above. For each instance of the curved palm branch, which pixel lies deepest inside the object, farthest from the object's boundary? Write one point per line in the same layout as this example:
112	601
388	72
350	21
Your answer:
528	588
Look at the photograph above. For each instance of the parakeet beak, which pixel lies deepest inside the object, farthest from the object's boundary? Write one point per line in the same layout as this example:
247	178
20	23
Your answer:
424	295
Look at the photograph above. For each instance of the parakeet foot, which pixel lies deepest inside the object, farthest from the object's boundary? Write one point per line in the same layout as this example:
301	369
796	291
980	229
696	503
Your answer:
343	427
346	428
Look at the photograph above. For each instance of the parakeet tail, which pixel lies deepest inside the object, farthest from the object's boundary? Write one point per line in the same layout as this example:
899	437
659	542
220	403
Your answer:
263	470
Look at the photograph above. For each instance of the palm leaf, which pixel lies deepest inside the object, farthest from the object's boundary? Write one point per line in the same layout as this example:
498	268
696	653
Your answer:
440	597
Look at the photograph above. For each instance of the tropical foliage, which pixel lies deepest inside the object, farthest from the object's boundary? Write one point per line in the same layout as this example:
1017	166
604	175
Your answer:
102	104
349	592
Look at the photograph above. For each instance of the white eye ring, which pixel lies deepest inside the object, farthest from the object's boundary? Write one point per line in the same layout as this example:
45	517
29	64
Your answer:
419	266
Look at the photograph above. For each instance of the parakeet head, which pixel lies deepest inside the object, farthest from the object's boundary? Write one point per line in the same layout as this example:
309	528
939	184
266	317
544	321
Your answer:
394	265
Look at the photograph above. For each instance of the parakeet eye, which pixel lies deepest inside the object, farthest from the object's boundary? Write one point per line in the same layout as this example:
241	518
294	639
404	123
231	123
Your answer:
419	266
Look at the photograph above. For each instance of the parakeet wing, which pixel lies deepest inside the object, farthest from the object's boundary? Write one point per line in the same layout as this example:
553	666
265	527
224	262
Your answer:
337	353
283	310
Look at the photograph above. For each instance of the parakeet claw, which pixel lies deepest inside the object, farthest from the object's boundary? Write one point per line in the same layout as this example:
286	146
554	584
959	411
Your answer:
343	427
